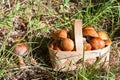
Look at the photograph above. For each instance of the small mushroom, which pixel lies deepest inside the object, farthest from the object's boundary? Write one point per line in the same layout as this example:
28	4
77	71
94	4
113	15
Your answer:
103	35
89	31
63	33
60	34
97	43
21	50
67	44
87	46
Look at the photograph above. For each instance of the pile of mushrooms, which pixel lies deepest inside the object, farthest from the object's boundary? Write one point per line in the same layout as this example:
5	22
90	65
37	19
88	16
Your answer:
62	41
95	39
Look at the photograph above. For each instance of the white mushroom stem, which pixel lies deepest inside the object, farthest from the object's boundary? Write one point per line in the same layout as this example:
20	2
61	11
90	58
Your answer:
21	61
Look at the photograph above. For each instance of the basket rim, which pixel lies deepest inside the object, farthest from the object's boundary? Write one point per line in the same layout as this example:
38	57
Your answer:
84	50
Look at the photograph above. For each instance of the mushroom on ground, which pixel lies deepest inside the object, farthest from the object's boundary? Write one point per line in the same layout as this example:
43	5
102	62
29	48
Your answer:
21	50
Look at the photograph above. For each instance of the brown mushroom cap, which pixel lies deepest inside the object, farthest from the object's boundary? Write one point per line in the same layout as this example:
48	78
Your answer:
97	43
89	31
60	34
21	49
103	35
63	33
67	44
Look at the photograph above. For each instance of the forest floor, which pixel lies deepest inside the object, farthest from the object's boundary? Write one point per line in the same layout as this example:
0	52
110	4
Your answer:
34	21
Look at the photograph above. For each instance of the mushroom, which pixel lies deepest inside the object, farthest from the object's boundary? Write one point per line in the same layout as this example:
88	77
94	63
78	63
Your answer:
67	44
97	43
87	46
103	35
63	34
89	31
21	50
60	34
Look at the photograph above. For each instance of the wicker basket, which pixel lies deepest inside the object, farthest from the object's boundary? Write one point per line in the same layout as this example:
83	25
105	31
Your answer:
70	60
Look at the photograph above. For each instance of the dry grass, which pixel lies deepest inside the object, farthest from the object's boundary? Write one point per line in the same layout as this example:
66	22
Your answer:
34	21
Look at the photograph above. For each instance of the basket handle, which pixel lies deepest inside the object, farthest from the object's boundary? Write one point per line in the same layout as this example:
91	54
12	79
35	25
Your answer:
78	36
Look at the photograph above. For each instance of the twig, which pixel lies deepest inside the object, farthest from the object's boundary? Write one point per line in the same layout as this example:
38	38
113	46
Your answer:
23	2
28	67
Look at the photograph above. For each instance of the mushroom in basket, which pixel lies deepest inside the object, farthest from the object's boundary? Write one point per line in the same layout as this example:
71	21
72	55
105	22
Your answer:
97	43
89	31
103	35
97	39
60	34
67	44
87	46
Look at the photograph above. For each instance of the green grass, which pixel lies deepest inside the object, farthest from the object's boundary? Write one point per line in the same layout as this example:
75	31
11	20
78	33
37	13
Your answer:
103	15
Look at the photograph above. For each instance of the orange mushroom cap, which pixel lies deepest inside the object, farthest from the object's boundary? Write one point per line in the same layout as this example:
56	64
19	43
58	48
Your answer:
97	43
67	44
103	35
21	49
87	46
60	34
89	31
